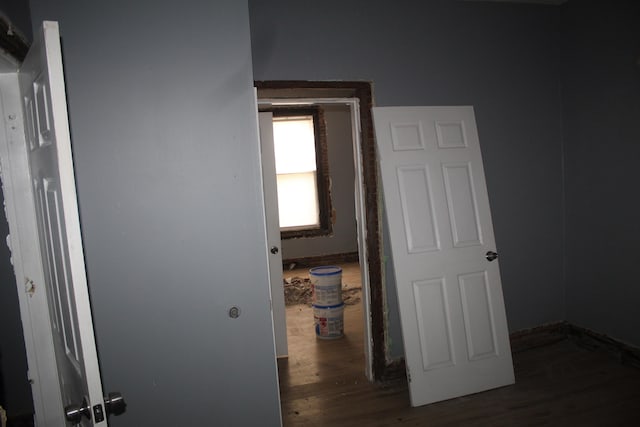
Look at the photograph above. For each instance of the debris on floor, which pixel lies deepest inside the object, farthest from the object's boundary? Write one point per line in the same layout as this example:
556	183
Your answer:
297	290
351	296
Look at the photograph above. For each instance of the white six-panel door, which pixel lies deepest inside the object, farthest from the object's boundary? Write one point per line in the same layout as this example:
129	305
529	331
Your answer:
450	296
52	180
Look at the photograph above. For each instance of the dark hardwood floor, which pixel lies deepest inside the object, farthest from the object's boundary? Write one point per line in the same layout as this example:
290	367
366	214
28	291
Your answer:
560	383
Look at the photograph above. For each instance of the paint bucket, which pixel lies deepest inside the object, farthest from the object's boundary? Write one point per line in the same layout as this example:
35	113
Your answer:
329	321
326	285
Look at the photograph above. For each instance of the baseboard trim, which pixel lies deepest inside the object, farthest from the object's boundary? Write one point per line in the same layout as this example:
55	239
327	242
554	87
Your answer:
315	261
539	336
586	338
547	334
394	370
626	354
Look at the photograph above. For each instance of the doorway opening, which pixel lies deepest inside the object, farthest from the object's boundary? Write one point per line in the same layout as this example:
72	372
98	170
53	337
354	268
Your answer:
357	98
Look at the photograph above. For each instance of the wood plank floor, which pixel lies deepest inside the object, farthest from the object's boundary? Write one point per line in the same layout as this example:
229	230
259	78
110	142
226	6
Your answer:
322	383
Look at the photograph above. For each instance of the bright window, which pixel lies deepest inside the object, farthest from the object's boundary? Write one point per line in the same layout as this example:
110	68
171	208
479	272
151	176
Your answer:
295	150
302	169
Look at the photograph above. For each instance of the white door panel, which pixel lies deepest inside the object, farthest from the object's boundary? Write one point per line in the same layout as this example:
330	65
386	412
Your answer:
273	233
451	305
52	178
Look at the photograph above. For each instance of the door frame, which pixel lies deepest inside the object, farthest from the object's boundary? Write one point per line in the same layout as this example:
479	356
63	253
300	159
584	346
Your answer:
25	256
358	96
354	110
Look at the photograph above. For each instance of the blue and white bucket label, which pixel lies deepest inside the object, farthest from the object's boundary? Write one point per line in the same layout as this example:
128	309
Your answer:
329	321
326	285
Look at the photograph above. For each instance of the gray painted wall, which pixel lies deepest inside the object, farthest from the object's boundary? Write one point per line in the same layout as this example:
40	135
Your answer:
341	170
601	93
165	144
500	58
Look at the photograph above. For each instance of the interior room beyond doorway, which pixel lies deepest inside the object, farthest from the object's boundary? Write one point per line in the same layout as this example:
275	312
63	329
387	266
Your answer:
359	95
324	361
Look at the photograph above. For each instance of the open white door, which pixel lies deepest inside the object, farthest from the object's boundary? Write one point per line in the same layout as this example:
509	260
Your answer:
270	188
450	296
57	226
